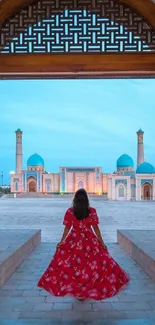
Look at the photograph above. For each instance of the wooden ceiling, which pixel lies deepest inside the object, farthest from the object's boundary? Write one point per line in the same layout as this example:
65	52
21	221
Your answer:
145	8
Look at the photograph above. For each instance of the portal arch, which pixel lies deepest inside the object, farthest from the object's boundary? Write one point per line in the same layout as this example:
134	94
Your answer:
147	191
80	185
31	185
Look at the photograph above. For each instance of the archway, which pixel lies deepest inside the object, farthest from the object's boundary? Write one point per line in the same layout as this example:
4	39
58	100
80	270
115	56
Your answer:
32	185
16	186
80	185
121	192
48	187
94	56
147	191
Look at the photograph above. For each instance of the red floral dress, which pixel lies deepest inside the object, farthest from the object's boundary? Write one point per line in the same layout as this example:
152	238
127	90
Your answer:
81	267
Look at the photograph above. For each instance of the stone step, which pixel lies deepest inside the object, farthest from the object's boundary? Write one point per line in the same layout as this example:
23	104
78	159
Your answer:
15	247
95	322
51	195
139	244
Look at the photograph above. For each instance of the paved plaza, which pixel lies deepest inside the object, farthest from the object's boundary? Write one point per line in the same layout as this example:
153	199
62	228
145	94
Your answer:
47	215
21	299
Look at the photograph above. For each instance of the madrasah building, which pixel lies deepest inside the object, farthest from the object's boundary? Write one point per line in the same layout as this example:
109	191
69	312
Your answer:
125	183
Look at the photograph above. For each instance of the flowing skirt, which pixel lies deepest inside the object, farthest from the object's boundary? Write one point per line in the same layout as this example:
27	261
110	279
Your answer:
84	269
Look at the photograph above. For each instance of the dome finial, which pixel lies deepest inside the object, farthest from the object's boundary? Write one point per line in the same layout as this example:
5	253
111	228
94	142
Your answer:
140	131
19	130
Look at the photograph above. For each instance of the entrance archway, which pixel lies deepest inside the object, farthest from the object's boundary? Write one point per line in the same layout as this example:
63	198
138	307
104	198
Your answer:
147	191
74	48
32	185
80	185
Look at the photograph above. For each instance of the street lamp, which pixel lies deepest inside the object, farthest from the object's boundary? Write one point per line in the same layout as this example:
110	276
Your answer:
2	178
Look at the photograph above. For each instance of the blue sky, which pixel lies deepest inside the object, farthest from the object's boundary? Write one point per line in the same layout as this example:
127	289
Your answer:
76	122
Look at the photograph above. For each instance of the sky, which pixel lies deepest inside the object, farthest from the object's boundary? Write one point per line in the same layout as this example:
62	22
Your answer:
76	122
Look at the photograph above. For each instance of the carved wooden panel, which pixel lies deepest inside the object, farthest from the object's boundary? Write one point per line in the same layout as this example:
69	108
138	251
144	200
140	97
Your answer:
83	26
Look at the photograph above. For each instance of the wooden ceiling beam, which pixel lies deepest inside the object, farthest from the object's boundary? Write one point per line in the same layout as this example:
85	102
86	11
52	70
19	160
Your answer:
88	65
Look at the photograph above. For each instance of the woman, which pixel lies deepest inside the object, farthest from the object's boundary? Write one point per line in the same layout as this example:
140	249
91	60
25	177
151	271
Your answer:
82	266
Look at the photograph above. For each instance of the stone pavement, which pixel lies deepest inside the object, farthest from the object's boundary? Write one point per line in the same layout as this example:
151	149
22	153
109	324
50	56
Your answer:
47	215
21	299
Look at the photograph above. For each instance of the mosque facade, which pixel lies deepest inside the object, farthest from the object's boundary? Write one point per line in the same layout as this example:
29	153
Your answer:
126	183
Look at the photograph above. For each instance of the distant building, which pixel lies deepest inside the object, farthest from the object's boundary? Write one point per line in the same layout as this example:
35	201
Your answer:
123	184
68	180
127	183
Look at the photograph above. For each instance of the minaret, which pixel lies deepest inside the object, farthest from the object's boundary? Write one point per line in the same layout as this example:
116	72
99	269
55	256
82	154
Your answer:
140	147
19	151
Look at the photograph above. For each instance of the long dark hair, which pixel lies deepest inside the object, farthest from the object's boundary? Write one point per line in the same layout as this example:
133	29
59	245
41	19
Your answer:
81	205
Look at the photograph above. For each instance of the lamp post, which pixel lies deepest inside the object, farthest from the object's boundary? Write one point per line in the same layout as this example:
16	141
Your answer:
2	178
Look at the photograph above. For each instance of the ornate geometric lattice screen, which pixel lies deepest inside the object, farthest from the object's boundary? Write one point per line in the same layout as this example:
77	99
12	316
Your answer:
84	26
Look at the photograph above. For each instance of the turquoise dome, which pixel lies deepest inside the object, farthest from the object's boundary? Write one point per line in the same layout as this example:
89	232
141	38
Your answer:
125	161
35	160
145	168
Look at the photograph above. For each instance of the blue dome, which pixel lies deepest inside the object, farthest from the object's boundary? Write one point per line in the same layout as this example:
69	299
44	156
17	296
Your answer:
125	161
35	160
145	168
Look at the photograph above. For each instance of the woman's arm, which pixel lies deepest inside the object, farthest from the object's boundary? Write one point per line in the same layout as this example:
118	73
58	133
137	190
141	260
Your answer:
65	233
99	236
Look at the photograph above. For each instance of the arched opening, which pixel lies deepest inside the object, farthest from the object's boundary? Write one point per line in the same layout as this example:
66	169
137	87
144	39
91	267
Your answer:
48	187
16	186
80	185
147	191
32	185
121	192
106	28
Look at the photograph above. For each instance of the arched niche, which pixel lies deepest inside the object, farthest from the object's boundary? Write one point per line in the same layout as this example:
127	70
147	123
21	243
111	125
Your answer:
121	192
147	191
80	185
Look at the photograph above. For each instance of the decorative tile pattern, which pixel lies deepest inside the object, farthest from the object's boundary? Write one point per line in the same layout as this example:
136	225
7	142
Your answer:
143	181
121	181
